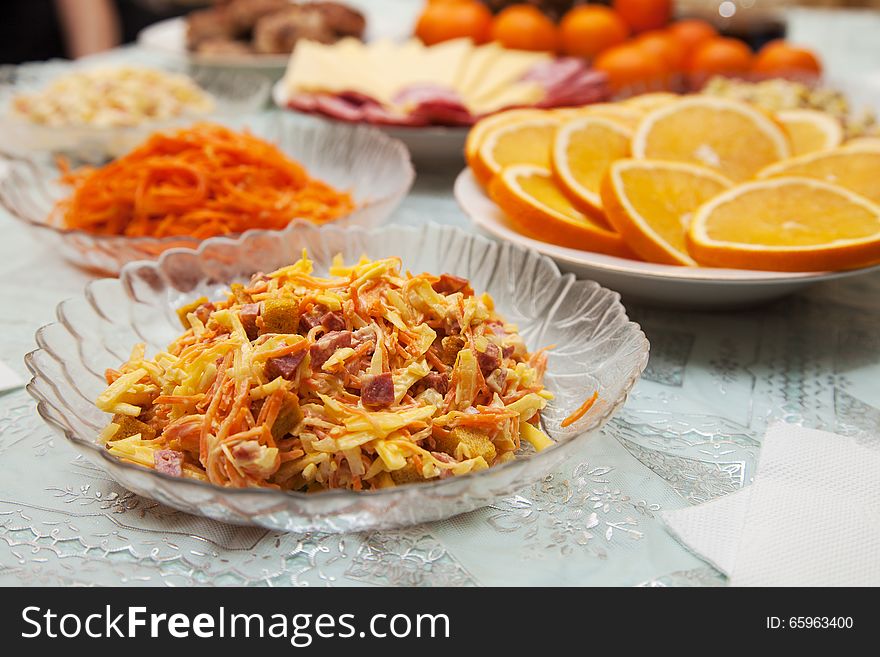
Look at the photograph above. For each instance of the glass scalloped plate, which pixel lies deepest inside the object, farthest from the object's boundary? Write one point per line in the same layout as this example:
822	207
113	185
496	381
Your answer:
374	168
597	349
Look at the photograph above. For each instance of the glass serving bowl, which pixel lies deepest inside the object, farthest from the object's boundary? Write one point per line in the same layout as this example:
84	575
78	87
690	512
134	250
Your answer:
597	348
235	93
374	168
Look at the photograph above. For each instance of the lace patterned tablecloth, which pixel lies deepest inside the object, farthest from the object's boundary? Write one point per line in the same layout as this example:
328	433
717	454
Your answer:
690	432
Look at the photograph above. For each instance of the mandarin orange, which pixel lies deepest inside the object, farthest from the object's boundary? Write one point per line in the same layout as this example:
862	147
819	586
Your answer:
692	32
587	30
719	56
453	19
644	15
665	46
629	67
778	58
525	27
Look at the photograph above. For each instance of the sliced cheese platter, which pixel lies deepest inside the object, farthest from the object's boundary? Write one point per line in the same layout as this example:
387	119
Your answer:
429	96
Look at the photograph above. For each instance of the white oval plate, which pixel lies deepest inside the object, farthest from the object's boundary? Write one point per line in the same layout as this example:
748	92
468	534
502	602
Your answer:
683	287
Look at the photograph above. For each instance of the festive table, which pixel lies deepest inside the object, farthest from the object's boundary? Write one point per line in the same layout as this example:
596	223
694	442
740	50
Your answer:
690	432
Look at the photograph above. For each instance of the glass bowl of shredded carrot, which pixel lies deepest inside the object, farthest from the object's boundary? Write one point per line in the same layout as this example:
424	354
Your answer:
336	380
182	186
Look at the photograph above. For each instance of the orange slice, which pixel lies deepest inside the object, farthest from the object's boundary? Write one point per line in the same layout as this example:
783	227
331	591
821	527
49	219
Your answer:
856	167
651	203
536	207
526	141
728	135
583	149
651	101
482	127
786	224
810	130
863	141
628	117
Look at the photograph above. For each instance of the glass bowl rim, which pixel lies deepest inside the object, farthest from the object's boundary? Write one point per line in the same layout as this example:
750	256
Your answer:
37	170
53	69
341	493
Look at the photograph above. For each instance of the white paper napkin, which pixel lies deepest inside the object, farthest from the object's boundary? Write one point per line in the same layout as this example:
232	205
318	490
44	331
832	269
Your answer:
811	517
712	530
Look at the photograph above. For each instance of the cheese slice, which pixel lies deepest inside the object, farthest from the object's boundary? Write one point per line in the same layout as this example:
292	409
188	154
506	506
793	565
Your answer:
486	78
478	66
519	94
441	64
505	71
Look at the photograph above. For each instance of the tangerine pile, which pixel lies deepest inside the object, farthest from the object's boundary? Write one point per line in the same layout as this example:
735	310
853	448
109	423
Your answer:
686	180
634	42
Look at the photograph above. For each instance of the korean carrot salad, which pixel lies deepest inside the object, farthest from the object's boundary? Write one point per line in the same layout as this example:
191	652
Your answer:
365	379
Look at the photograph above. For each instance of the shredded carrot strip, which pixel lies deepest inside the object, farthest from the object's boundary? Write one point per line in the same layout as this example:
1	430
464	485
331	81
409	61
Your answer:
581	410
201	181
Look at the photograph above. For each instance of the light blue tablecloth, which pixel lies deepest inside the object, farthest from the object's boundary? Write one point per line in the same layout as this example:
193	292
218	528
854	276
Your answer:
690	432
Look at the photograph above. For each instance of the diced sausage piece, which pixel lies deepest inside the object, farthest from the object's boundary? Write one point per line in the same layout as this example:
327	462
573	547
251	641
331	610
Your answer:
308	322
280	316
490	359
284	366
451	345
449	284
437	381
333	321
168	461
433	381
377	390
248	316
324	348
203	312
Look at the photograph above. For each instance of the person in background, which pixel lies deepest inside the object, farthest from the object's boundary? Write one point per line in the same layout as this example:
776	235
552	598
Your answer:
33	30
135	15
37	30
